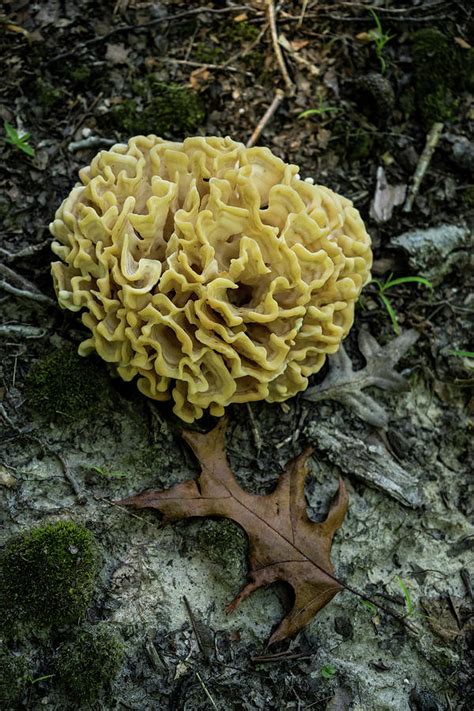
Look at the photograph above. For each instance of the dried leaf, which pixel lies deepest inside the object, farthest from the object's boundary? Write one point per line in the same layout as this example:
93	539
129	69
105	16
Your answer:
198	78
12	27
462	43
283	543
298	44
364	37
386	197
345	385
117	53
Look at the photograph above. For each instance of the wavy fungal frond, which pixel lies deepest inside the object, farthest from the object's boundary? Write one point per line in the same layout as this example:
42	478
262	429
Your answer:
208	270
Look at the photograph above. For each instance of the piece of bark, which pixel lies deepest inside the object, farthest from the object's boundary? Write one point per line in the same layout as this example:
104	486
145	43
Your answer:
368	461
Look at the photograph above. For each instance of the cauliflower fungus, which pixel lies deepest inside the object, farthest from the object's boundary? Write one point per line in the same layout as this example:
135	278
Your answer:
209	270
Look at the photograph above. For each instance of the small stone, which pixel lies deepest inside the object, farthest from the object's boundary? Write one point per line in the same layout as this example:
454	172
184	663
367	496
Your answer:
7	479
434	252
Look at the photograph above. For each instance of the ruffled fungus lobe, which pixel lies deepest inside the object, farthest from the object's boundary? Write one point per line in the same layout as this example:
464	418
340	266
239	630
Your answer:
209	270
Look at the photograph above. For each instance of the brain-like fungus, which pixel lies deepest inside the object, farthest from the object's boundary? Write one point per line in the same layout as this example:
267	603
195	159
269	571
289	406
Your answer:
209	270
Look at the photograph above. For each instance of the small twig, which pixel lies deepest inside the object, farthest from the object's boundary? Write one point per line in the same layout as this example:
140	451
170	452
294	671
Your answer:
206	691
7	418
423	163
15	365
18	329
278	656
277	49
243	52
206	65
15	284
301	17
124	510
68	475
90	142
277	99
195	628
24	294
255	430
87	112
29	251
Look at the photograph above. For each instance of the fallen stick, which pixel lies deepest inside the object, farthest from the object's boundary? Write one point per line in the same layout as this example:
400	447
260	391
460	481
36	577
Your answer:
423	163
277	49
277	99
91	142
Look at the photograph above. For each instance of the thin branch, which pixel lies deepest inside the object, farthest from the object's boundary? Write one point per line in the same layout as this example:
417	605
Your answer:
277	49
15	284
206	65
29	251
195	628
207	692
255	429
14	330
24	294
301	17
91	142
277	99
243	52
432	140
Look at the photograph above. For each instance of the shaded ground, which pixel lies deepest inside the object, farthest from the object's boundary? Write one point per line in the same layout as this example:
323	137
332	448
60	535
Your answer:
81	70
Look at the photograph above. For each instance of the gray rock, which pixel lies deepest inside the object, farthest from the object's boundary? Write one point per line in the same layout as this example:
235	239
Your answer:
435	251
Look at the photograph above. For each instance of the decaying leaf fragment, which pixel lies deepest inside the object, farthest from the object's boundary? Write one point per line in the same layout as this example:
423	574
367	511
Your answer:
345	385
283	543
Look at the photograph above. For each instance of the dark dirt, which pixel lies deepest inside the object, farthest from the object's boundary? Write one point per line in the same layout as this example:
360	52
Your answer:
76	71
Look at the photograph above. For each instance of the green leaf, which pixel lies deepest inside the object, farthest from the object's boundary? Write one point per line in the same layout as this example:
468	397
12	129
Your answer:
461	354
408	280
328	671
368	605
317	112
12	133
406	594
29	150
391	312
20	141
110	474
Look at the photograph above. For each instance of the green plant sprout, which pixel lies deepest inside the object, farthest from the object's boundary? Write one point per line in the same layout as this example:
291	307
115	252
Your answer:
41	678
380	39
461	354
368	605
109	474
323	109
328	671
18	139
384	286
407	597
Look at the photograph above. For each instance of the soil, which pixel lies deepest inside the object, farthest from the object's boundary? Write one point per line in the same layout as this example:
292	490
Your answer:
73	71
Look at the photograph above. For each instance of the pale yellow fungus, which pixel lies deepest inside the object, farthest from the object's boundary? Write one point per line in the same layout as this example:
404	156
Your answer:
209	270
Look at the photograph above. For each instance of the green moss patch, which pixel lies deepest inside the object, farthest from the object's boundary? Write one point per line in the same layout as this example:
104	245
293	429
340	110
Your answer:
167	109
13	677
65	383
48	95
441	71
224	543
47	575
90	661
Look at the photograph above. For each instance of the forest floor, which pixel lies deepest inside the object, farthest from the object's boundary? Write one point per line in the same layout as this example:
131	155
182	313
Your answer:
376	77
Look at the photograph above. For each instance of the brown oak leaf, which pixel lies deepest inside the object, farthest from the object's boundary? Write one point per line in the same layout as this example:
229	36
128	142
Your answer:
283	543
